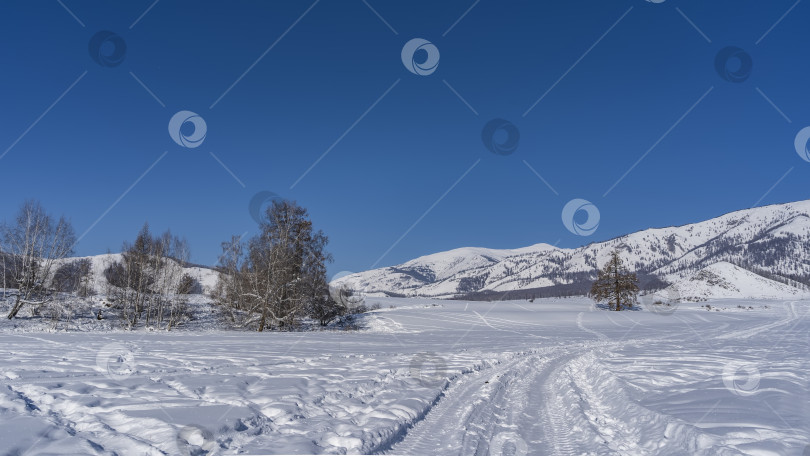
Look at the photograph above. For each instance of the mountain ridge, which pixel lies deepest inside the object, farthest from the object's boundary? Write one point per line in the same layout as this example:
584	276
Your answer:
772	240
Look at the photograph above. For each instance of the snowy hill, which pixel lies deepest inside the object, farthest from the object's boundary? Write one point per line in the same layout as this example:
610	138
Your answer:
205	276
725	280
770	240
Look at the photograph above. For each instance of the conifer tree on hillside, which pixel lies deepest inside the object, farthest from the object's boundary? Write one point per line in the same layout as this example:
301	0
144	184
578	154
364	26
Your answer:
615	284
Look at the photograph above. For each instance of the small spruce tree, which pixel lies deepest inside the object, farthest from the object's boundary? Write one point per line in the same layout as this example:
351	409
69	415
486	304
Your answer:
615	284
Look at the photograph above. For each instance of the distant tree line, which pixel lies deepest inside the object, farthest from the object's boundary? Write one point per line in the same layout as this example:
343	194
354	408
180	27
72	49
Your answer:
570	284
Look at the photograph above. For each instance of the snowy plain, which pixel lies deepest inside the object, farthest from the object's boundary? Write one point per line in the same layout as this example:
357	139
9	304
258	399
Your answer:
424	377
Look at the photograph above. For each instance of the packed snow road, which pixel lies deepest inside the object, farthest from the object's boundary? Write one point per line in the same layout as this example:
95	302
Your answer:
425	377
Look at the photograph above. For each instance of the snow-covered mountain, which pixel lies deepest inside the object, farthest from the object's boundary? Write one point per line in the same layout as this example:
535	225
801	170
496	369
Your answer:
772	241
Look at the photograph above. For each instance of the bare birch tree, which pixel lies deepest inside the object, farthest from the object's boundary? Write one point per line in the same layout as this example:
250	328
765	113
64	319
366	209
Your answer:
35	242
272	280
143	285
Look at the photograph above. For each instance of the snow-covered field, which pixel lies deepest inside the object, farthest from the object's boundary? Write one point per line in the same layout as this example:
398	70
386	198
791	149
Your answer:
554	376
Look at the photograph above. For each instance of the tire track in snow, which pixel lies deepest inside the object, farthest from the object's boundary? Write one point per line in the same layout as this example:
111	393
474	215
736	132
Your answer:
581	326
465	416
459	418
525	395
750	332
556	432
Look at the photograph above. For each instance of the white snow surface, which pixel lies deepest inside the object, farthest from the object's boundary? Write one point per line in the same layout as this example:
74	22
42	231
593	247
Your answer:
774	239
425	377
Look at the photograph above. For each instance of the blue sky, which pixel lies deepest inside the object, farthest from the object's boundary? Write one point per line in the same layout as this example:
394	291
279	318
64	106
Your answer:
591	87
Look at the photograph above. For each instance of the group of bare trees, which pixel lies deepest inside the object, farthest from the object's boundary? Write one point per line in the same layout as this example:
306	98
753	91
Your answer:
31	247
271	281
278	276
148	284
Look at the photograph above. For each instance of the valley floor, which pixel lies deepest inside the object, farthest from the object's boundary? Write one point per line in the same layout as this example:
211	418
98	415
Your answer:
425	378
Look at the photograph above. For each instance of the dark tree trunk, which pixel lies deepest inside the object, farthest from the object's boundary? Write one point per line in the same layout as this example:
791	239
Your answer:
262	320
17	306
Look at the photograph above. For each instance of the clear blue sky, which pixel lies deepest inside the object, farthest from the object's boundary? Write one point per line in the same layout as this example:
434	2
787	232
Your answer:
617	77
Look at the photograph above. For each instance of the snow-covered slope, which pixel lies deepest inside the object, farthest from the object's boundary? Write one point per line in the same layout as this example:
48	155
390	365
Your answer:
725	280
772	240
205	276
